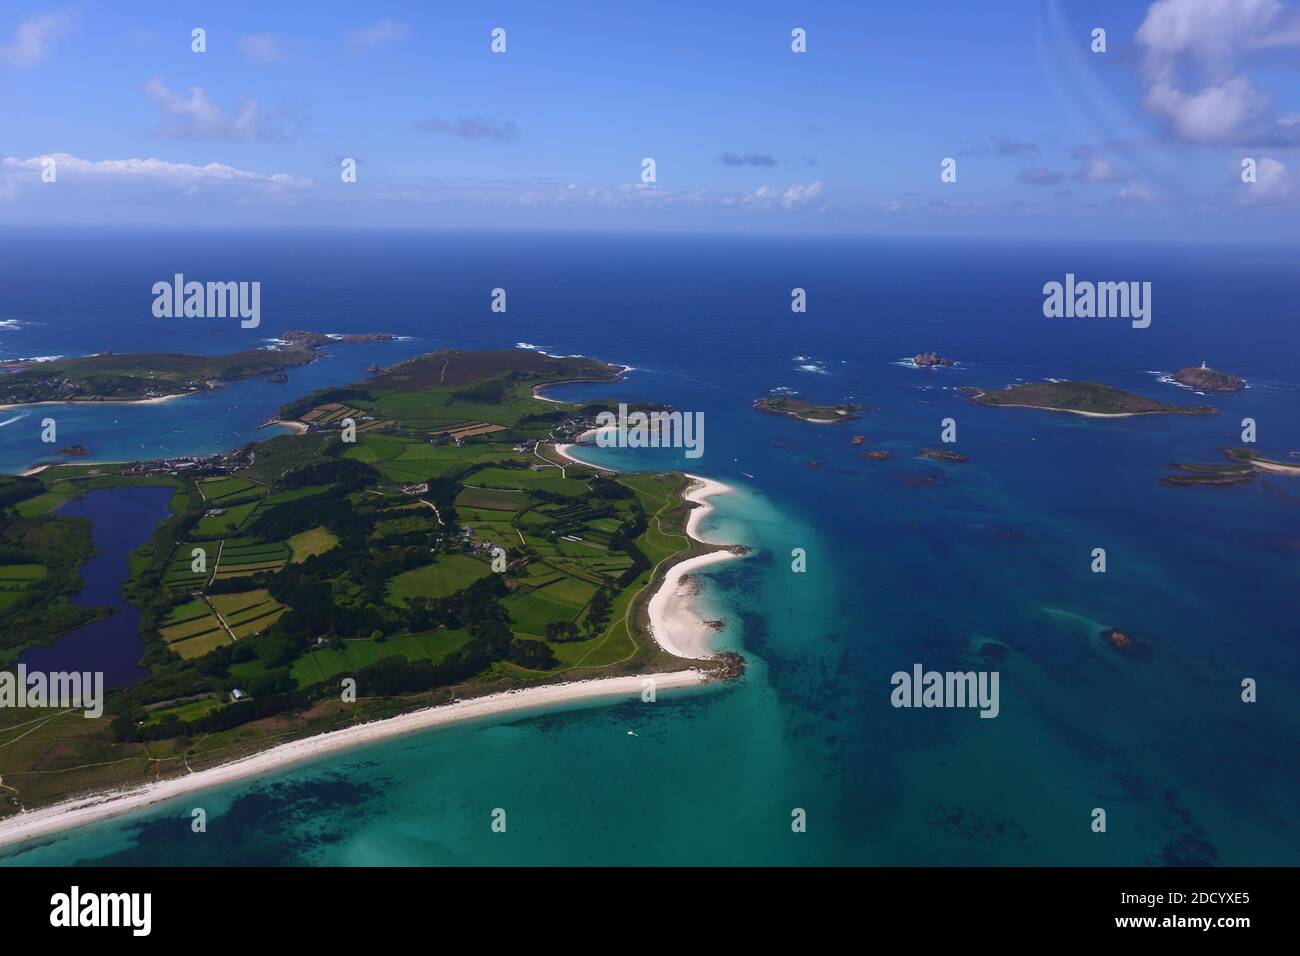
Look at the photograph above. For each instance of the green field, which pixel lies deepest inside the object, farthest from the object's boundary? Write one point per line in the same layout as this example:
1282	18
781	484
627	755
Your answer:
297	494
214	489
178	574
326	663
214	526
309	543
243	556
192	630
248	612
492	500
561	601
187	711
15	579
449	574
195	628
525	479
57	494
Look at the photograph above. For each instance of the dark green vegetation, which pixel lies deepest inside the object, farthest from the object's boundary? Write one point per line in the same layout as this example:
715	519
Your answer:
1083	398
421	569
109	377
1193	474
1257	461
40	553
808	411
1245	465
1208	380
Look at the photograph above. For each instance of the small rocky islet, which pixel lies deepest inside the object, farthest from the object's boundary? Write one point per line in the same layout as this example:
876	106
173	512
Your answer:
931	360
940	454
1126	642
1206	379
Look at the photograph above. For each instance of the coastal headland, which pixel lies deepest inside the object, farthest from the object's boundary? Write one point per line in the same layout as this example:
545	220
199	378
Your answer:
158	376
487	569
1206	379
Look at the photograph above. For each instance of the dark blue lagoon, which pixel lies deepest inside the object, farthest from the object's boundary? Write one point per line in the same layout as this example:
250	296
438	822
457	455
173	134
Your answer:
122	520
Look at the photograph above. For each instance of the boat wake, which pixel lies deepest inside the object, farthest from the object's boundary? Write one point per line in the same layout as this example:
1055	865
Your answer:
17	418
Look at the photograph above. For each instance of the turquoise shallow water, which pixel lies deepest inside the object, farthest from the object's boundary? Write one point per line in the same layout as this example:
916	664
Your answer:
909	561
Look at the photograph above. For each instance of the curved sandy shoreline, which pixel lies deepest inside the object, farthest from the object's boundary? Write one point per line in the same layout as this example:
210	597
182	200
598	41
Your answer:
675	623
32	824
622	370
299	428
563	450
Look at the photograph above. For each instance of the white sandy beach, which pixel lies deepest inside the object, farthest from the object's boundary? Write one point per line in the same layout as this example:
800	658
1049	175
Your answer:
1075	411
73	813
564	452
622	371
299	428
674	620
76	401
1275	467
675	623
543	398
71	461
1070	411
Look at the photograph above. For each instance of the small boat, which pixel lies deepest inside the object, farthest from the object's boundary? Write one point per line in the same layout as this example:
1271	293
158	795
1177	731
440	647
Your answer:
747	474
631	733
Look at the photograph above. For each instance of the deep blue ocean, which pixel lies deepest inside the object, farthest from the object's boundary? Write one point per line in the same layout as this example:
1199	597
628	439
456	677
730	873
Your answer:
908	560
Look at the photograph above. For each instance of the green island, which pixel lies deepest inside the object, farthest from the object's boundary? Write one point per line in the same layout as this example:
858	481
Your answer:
1245	464
1082	398
447	552
107	377
808	411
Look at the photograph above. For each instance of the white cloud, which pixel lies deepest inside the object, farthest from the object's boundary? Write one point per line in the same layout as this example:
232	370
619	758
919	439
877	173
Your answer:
1207	39
1099	169
108	179
800	195
1135	194
1274	184
35	38
196	117
648	196
805	195
261	47
377	34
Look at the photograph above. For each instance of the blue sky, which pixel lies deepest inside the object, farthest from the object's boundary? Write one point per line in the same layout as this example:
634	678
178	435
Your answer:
1050	139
